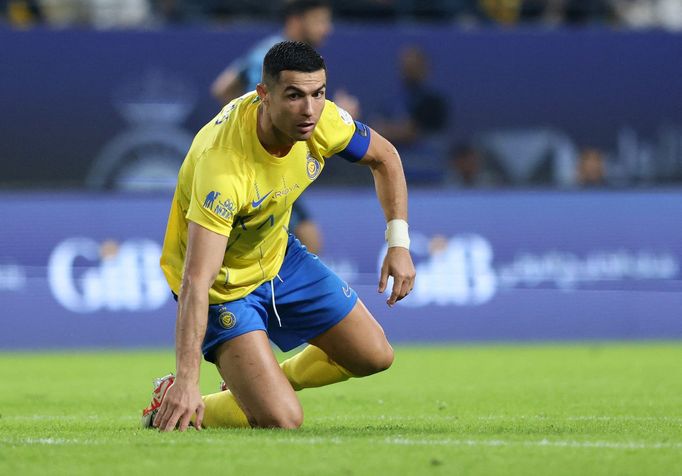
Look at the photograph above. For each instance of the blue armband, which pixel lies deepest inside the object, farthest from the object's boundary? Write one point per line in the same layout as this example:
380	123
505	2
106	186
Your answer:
358	145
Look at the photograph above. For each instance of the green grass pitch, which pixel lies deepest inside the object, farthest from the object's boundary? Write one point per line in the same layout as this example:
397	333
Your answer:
591	409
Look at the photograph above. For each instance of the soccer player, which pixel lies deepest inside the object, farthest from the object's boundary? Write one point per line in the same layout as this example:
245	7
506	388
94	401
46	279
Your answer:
309	21
241	278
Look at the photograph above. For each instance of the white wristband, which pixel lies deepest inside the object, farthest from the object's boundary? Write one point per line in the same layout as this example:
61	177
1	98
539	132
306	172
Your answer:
397	234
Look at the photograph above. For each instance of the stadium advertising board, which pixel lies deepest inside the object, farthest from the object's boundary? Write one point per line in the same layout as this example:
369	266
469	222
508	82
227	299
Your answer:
81	270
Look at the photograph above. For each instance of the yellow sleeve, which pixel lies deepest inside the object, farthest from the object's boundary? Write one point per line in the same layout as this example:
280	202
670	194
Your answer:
217	191
334	130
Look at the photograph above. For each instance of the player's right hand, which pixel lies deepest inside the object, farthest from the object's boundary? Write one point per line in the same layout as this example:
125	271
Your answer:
182	400
398	265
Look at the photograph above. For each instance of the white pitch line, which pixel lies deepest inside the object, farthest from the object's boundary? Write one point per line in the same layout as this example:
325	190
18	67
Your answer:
399	441
584	418
617	445
381	418
625	417
66	418
377	417
388	418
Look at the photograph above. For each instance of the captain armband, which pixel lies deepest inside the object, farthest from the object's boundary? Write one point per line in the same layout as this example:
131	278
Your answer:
397	234
359	143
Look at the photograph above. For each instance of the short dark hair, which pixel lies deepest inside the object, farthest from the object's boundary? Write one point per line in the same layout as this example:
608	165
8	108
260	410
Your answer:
291	56
299	7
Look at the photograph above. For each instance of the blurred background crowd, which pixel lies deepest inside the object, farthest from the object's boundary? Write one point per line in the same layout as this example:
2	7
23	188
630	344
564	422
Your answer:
155	13
424	117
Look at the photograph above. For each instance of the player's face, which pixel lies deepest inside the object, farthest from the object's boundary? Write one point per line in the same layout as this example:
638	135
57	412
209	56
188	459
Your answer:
296	102
316	25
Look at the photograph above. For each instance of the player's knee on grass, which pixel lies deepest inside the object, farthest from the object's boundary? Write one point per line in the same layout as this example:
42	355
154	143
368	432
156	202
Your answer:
374	360
287	417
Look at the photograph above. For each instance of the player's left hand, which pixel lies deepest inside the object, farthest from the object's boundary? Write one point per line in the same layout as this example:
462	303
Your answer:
398	264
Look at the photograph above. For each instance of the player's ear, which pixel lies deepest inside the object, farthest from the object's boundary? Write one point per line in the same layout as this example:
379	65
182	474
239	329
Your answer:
262	90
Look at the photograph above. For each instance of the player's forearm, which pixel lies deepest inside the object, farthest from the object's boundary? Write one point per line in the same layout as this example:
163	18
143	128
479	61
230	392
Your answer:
389	181
190	328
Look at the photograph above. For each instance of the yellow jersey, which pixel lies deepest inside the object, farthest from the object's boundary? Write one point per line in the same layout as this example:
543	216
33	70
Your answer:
231	185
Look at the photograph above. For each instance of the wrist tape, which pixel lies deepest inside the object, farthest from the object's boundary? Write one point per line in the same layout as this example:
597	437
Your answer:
397	234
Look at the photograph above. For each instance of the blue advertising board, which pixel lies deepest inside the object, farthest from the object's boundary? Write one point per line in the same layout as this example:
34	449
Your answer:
81	270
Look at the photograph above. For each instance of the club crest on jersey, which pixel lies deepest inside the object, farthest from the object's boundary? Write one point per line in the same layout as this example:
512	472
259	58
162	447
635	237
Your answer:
227	319
313	167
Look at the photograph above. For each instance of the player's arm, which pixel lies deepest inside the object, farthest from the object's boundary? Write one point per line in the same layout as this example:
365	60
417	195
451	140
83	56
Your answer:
205	252
228	85
383	159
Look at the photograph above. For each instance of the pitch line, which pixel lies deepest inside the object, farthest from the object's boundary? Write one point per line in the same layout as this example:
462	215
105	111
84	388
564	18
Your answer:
625	445
399	441
384	418
585	418
380	418
464	418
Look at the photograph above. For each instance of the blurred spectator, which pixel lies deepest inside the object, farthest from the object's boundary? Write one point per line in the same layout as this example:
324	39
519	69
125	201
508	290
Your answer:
468	168
550	12
105	14
22	13
418	109
649	13
591	168
64	13
173	12
415	120
557	12
380	10
506	12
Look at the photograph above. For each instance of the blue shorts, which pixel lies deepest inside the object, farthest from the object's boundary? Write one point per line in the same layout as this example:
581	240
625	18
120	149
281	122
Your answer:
308	297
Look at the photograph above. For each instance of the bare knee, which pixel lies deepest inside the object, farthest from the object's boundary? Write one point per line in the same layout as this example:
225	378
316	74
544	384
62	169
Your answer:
376	360
287	418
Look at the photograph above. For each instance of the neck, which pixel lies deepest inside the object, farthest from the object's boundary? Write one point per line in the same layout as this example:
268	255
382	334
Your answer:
272	140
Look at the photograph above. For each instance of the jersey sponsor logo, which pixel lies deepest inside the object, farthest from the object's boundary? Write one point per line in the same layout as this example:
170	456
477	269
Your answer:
225	208
227	319
286	191
346	289
210	198
257	203
345	116
313	166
